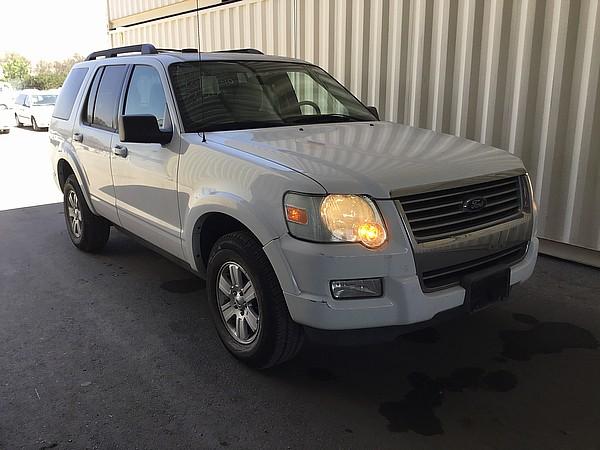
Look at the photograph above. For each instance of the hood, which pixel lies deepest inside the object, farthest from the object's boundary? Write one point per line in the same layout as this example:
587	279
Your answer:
45	110
371	158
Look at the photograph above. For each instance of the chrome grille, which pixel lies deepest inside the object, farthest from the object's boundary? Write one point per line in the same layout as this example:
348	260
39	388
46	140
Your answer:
444	213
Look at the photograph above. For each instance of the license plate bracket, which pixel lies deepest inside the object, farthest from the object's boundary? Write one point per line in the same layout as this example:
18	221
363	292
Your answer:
486	286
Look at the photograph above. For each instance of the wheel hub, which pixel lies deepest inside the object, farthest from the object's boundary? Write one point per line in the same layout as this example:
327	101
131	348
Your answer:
75	216
238	303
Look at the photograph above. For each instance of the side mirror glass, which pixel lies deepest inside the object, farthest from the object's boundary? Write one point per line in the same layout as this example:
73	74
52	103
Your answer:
143	129
373	111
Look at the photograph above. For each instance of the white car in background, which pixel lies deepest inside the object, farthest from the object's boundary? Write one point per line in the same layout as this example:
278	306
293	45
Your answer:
5	118
34	108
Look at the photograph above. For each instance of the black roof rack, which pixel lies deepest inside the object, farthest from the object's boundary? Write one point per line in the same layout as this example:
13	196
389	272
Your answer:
144	49
252	51
179	50
149	49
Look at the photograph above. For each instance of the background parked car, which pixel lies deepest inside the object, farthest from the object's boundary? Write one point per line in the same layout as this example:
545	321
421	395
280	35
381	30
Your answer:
34	108
5	118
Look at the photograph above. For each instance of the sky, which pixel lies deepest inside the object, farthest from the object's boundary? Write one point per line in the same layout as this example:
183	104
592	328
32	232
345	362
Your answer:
52	29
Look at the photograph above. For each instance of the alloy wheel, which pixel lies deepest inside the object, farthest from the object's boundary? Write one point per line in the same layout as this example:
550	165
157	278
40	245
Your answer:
74	214
237	303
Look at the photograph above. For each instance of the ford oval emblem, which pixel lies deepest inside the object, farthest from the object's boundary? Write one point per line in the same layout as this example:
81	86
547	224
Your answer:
474	204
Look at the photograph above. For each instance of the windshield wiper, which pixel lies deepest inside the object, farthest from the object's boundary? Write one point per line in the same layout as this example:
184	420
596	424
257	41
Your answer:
243	125
322	118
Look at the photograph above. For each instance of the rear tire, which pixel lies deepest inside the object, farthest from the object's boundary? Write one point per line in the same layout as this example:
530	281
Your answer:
87	231
18	122
34	124
275	337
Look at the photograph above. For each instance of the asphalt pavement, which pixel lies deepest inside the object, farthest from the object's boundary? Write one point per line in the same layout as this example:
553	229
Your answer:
117	350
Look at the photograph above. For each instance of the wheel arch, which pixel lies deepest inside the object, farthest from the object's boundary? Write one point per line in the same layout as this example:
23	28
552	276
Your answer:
65	167
208	228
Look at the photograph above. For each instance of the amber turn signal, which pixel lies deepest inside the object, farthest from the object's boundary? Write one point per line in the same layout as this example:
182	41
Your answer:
296	215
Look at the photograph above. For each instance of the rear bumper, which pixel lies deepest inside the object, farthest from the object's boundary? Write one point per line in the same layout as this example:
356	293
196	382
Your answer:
403	301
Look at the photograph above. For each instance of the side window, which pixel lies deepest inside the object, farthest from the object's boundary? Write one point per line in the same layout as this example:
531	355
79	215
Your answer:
145	95
107	97
90	101
68	93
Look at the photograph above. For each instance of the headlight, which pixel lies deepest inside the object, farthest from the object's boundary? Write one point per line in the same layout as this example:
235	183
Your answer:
335	218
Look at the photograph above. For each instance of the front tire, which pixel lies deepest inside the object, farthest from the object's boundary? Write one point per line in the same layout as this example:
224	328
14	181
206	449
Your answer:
247	303
87	231
34	124
18	122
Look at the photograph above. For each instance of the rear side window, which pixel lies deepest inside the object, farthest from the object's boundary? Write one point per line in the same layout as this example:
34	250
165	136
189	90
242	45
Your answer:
100	109
90	102
68	93
109	91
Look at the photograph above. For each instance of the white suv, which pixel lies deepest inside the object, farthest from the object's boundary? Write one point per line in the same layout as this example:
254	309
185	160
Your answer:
306	214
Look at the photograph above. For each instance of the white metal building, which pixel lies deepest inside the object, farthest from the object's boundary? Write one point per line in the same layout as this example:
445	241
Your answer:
522	75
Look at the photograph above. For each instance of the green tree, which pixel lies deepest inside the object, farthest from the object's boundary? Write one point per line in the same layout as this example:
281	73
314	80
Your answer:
16	68
50	75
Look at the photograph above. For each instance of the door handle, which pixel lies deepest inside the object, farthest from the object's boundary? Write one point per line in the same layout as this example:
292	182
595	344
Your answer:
78	137
120	150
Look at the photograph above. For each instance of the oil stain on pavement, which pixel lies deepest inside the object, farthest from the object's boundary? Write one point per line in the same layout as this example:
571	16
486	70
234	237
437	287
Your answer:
416	411
544	338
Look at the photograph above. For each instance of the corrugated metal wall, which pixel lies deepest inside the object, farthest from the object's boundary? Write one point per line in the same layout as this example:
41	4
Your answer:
522	75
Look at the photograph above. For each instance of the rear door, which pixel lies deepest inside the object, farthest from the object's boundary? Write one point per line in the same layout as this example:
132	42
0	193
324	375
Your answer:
145	175
94	133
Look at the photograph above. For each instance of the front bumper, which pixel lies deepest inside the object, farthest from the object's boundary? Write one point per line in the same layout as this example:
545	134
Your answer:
403	303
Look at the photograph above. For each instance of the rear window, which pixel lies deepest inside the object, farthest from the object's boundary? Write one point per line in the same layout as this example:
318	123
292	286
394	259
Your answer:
68	93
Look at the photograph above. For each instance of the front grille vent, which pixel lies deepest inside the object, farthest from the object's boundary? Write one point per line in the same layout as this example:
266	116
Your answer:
450	276
445	213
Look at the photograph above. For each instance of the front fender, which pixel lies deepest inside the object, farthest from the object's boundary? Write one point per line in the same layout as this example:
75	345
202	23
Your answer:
261	225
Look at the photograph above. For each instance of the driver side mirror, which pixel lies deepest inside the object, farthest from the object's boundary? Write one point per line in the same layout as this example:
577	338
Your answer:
373	110
142	129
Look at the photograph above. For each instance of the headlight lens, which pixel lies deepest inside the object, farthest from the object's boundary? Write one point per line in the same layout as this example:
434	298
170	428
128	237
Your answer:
335	218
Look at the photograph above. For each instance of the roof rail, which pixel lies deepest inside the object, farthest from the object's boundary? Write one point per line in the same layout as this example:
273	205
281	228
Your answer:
178	50
252	51
144	49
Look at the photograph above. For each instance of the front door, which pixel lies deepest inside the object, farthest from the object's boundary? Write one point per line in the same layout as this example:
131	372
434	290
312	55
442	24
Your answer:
145	175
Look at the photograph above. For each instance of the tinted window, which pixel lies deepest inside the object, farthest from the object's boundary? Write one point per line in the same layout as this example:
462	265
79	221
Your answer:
145	94
90	101
107	97
256	94
68	93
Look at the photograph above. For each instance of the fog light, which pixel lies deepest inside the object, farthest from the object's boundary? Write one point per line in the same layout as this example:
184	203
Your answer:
368	287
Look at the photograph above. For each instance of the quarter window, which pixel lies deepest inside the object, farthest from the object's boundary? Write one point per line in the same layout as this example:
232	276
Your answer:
68	93
145	95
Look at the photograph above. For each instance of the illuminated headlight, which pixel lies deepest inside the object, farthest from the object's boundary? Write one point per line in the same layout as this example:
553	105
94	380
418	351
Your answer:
335	218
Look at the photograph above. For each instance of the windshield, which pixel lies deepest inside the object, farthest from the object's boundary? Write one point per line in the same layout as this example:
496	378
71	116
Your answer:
44	99
257	94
